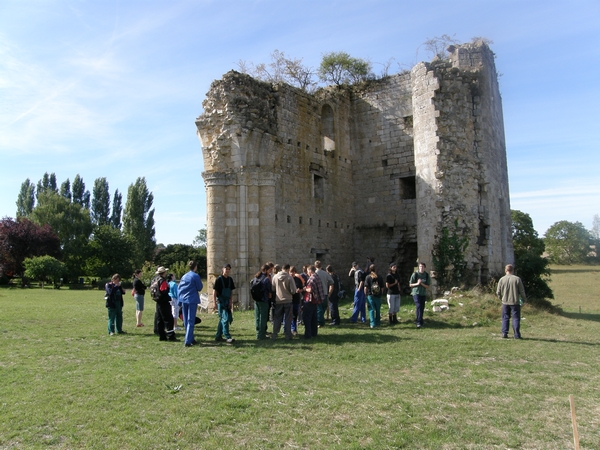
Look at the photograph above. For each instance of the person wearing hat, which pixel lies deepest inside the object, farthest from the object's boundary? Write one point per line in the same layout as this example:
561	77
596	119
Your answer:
222	290
392	283
163	316
189	287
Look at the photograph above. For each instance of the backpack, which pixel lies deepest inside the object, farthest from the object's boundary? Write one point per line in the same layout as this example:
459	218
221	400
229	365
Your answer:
155	288
375	288
256	289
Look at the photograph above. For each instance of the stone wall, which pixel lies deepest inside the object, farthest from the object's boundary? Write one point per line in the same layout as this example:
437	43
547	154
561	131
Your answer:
372	170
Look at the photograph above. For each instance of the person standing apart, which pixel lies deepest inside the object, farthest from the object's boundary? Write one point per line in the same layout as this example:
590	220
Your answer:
222	290
190	286
174	302
139	289
392	283
510	288
420	282
359	294
374	291
114	303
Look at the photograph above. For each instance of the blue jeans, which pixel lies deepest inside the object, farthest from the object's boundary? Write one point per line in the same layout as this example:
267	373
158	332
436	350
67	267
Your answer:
515	312
359	307
224	320
419	307
189	321
374	310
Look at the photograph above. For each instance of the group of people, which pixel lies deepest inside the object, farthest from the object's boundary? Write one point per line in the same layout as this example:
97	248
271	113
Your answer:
290	297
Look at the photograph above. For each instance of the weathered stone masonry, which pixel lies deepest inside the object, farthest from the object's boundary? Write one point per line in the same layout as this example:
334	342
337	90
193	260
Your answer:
374	170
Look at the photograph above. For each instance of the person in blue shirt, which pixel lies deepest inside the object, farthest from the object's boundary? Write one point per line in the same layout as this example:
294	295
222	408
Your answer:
190	286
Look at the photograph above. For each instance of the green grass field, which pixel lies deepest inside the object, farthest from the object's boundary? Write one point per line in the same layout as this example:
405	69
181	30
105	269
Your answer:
455	384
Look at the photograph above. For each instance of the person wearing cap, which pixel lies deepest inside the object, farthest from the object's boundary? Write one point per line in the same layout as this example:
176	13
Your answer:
359	294
222	290
392	283
163	316
190	286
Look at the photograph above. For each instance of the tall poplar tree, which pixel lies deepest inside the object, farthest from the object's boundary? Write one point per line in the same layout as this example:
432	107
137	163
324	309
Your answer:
80	195
138	221
117	209
65	189
100	202
26	199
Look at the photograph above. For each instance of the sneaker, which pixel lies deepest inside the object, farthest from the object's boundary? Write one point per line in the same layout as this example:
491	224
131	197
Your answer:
230	340
505	336
190	345
173	339
219	339
122	332
111	334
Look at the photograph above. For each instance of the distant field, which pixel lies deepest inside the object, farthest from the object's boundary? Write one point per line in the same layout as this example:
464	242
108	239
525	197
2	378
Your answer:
453	385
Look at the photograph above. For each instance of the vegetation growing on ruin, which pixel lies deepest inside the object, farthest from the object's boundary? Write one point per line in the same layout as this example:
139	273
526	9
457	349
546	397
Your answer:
449	257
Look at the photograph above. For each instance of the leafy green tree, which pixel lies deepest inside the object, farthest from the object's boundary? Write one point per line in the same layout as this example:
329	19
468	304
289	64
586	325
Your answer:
21	239
138	221
80	195
174	253
43	268
530	265
100	202
117	209
71	223
26	199
110	252
341	68
568	242
65	189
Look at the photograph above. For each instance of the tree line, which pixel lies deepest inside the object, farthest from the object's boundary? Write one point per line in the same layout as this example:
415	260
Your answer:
85	233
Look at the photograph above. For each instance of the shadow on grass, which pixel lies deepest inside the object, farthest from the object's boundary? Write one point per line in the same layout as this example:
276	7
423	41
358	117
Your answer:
561	341
582	316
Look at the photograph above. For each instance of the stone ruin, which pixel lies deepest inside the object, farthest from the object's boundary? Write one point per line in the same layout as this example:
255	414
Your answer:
377	169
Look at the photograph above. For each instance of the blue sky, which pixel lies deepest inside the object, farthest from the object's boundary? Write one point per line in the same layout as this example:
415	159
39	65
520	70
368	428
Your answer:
111	89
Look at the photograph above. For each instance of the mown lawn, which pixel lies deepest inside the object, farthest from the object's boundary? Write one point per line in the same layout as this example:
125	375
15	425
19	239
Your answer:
453	385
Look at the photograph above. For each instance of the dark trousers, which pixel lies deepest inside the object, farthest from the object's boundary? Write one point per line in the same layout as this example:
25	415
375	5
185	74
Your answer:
419	307
515	312
309	316
335	311
164	320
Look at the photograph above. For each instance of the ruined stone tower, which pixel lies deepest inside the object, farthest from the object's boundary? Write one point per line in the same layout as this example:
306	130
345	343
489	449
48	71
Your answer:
380	170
